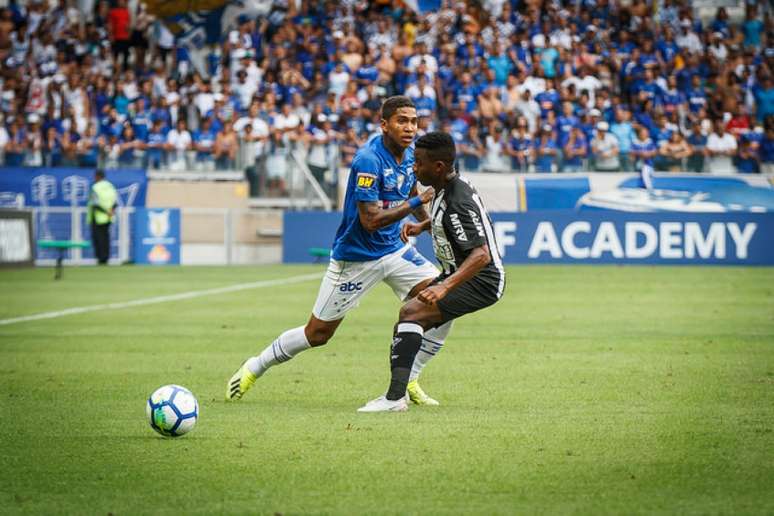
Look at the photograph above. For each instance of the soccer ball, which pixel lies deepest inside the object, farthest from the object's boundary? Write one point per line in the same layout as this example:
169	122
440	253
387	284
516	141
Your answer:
172	410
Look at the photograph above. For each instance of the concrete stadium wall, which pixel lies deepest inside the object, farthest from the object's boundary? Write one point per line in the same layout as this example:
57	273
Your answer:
208	208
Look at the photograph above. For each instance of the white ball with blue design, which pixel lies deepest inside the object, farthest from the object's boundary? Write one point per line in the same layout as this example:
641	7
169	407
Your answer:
172	410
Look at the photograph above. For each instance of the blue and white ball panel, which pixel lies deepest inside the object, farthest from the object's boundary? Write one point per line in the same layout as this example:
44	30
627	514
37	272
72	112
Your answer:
172	410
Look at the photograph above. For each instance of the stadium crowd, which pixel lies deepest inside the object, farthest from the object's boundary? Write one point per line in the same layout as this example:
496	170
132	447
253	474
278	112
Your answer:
522	85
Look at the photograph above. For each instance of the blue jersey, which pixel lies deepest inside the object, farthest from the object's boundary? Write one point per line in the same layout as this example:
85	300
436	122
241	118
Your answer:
375	176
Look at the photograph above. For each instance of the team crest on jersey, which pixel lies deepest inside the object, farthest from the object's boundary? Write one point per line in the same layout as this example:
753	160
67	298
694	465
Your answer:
365	180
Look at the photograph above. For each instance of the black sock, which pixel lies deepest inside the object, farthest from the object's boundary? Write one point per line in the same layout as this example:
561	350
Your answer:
405	345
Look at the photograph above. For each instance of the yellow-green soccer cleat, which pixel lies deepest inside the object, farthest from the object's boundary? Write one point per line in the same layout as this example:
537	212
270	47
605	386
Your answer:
240	383
418	396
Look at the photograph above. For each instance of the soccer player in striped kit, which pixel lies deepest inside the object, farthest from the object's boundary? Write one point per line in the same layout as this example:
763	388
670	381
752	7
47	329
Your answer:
473	276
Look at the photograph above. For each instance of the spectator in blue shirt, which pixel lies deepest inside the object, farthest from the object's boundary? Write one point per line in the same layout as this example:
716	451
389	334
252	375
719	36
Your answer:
566	123
501	64
649	90
519	53
141	120
466	91
720	23
767	149
624	46
673	100
53	148
520	146
87	148
661	132
367	73
423	96
697	97
204	142
471	150
643	149
128	147
548	59
764	99
159	111
546	150
548	100
648	58
156	145
624	132
667	48
747	161
698	143
575	151
752	28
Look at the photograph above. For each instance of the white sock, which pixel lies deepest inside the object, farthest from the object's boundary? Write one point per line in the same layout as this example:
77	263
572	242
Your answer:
432	342
287	345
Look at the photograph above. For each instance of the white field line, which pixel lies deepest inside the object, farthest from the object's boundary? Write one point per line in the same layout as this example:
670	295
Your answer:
161	299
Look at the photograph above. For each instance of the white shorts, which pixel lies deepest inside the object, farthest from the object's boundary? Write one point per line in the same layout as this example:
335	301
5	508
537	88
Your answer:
346	282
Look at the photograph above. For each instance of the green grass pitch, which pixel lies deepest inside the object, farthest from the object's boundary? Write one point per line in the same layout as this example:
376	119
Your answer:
586	390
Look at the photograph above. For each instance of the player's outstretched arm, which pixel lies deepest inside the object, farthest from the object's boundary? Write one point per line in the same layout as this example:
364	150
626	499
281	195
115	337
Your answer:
478	258
373	216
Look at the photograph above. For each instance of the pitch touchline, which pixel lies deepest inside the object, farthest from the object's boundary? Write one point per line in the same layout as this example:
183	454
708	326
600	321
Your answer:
160	299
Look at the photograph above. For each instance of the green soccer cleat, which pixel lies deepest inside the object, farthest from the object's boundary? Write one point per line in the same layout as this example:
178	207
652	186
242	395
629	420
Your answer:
418	396
240	383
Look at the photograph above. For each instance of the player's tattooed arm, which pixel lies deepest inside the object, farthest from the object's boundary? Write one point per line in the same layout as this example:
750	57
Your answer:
373	216
420	213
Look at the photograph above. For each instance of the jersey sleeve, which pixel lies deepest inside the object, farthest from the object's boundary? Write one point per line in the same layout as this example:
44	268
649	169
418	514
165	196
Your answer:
366	169
467	227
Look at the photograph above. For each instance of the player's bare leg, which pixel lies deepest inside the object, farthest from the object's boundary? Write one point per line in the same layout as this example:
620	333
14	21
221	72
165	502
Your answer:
286	346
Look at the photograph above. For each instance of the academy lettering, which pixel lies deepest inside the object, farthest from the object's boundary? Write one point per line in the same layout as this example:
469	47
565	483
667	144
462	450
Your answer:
640	240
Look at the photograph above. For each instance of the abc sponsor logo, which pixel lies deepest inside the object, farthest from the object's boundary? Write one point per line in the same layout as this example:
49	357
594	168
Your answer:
351	286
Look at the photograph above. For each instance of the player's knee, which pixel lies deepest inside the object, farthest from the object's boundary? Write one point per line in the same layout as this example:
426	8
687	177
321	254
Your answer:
409	312
319	335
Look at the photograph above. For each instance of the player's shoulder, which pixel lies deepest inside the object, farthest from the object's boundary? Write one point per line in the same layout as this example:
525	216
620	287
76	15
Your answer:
367	158
459	189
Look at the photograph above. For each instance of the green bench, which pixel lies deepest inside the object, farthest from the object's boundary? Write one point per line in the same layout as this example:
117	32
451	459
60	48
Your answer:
319	253
61	246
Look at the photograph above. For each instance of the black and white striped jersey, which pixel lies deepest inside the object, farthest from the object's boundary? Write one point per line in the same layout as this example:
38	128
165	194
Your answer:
460	223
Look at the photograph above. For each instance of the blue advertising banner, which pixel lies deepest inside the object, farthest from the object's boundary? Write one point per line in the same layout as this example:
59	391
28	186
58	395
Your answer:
42	187
567	236
670	192
156	236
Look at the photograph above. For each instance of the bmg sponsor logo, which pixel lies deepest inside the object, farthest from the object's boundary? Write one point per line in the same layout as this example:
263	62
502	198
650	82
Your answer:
365	180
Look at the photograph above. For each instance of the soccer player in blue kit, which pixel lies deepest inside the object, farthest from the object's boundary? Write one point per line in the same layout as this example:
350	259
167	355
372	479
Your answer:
369	247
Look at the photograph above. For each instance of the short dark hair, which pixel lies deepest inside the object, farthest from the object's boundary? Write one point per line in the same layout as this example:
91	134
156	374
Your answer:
99	173
392	104
439	146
